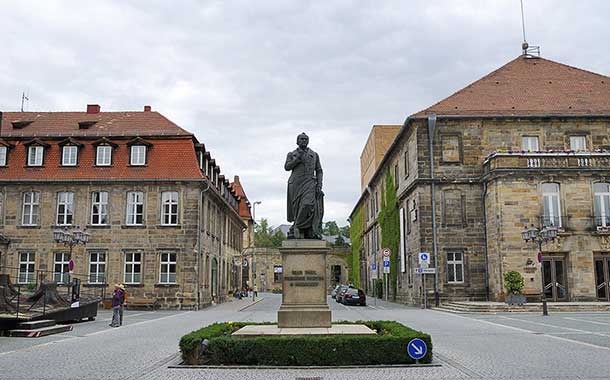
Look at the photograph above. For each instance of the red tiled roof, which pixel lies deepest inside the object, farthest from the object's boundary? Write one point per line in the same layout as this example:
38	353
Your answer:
167	159
106	124
530	86
244	208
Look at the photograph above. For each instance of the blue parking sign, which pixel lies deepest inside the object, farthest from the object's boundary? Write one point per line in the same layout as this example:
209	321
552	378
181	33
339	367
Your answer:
386	264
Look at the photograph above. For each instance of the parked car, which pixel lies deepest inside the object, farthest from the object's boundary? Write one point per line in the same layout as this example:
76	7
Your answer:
333	293
341	292
353	296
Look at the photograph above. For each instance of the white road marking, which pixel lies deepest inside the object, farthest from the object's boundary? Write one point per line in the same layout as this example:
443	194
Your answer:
527	331
588	321
111	329
558	327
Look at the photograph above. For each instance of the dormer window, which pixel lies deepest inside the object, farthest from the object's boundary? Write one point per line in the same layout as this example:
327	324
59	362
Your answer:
138	155
103	156
3	154
35	155
69	155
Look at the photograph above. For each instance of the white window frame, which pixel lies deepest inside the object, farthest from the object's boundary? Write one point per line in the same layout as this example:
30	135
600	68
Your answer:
103	155
601	206
455	263
35	155
30	263
135	201
131	260
169	208
101	204
65	202
550	199
63	264
95	264
166	275
30	211
69	155
138	155
530	143
578	143
3	155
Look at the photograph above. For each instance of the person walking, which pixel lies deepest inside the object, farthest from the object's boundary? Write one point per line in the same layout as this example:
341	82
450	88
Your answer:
116	306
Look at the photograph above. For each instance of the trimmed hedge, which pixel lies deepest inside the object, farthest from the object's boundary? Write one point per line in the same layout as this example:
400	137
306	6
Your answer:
389	346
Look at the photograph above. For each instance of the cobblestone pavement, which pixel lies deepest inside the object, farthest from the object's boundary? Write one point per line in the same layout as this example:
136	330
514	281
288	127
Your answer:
501	346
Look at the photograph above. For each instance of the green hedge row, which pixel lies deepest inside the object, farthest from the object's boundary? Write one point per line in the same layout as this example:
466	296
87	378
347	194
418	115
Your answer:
389	346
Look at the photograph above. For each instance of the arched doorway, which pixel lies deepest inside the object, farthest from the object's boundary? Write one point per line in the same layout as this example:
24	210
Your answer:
215	279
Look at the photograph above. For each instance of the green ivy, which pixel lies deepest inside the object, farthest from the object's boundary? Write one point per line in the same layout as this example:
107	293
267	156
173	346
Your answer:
389	221
355	234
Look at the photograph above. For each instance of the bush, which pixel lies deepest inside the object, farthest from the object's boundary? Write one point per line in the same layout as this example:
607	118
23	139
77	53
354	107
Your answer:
513	282
388	346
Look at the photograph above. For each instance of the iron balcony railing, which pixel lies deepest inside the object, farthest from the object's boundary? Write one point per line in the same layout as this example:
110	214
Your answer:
546	160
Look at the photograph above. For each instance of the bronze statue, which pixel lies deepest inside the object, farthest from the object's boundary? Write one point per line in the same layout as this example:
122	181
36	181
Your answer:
305	196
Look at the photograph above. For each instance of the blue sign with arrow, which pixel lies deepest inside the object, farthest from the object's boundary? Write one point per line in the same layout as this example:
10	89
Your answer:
417	348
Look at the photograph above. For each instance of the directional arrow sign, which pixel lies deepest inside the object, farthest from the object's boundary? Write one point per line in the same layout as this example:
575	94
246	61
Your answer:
417	348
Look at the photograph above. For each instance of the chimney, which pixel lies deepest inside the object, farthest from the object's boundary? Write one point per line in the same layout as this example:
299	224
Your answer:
93	108
147	108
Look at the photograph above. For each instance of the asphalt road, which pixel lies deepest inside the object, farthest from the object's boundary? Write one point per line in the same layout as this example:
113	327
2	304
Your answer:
502	346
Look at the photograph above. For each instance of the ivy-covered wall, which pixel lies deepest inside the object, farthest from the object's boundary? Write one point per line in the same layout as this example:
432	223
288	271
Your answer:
355	234
389	221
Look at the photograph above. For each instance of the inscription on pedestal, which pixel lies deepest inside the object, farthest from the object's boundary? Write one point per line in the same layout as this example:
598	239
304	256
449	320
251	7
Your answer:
307	278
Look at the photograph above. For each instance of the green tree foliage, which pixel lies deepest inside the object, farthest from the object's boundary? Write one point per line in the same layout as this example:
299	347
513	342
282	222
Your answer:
355	234
345	231
331	228
339	242
264	237
389	221
513	282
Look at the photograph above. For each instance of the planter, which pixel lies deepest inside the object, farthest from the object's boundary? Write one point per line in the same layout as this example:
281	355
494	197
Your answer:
516	299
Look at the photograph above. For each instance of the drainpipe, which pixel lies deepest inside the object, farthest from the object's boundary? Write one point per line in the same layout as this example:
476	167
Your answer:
485	240
431	128
199	215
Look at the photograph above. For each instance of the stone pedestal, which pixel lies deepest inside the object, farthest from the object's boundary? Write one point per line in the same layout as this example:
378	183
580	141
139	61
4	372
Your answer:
304	284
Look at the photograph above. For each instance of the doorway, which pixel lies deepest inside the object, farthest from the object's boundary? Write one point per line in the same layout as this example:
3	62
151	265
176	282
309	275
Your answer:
554	283
602	278
215	280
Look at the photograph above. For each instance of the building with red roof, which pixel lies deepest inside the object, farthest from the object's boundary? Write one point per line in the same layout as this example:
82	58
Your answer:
161	217
526	148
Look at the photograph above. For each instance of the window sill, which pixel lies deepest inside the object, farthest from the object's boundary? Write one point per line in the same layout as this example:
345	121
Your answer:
137	166
133	226
167	285
98	226
28	227
134	285
169	226
103	166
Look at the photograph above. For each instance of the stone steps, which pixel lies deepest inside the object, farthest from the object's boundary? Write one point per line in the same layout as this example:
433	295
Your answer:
497	307
36	329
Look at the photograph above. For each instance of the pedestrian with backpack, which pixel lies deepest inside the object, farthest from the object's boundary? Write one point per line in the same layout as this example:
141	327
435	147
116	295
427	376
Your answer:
117	295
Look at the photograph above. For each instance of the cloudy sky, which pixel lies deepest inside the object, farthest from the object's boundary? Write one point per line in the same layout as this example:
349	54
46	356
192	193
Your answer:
248	76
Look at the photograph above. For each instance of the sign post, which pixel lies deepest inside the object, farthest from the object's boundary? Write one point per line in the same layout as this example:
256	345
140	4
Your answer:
386	253
424	262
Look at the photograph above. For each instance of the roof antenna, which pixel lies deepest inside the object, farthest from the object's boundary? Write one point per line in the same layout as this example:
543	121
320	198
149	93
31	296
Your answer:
24	98
528	51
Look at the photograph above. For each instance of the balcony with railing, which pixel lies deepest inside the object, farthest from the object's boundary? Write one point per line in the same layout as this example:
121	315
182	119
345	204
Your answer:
547	160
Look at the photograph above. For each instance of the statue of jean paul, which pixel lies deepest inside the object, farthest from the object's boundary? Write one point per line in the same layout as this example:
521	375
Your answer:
305	198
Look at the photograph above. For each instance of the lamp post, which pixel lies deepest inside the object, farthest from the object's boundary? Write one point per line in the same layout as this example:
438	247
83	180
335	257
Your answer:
254	210
71	238
540	236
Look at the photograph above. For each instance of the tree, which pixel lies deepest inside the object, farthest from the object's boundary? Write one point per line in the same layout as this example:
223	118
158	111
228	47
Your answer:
331	228
264	237
345	231
339	242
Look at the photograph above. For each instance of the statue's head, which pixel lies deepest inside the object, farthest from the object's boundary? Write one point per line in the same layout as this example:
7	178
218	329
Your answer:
302	140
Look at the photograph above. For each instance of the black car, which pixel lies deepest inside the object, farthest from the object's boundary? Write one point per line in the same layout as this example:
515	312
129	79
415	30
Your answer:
354	296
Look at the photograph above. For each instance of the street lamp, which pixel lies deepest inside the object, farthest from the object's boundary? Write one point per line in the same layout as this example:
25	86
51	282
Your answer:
71	238
540	236
254	210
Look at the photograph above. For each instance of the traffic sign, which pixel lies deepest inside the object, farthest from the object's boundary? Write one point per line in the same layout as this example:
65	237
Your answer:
373	266
417	348
386	269
386	258
425	270
424	257
71	266
386	252
386	263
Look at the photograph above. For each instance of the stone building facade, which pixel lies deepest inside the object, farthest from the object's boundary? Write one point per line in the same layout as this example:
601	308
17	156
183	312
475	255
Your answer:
162	218
377	144
525	145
